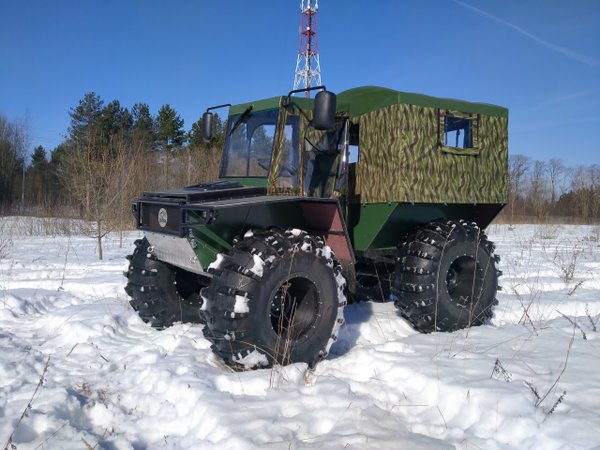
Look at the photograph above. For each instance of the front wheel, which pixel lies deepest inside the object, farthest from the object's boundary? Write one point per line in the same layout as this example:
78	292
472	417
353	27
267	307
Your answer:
160	293
446	277
276	298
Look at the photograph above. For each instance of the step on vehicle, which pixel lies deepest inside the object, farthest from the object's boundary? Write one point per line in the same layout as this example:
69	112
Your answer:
371	194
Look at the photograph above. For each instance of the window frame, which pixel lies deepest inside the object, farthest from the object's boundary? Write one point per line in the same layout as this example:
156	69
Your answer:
474	119
225	161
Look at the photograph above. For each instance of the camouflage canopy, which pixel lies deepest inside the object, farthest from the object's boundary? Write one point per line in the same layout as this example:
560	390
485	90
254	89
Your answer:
414	148
405	154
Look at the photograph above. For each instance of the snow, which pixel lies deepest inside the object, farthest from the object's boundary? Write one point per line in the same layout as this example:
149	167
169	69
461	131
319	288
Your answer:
252	359
257	265
114	382
216	264
241	304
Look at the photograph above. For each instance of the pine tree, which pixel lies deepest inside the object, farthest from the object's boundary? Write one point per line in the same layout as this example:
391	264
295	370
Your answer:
114	121
169	136
84	130
169	129
143	125
38	177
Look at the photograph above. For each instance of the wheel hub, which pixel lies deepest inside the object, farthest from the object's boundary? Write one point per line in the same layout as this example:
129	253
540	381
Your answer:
294	308
464	281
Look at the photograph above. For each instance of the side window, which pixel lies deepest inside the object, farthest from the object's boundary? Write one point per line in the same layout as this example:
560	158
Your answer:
288	163
288	155
353	144
261	145
237	157
458	133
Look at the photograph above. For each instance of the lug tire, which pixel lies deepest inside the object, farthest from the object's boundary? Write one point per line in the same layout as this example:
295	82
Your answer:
446	277
160	293
276	298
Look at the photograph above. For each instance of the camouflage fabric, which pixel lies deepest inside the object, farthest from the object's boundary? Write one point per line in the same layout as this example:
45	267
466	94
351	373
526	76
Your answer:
284	191
402	159
274	186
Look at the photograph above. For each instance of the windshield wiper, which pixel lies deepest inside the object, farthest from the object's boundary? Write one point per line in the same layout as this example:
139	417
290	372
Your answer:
244	114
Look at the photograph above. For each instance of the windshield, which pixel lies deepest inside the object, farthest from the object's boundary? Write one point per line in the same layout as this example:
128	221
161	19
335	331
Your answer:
249	145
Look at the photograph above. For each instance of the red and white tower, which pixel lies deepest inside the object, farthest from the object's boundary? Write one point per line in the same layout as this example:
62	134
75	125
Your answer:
308	68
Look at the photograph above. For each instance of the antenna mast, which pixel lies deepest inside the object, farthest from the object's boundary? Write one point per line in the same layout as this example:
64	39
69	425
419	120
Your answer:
308	67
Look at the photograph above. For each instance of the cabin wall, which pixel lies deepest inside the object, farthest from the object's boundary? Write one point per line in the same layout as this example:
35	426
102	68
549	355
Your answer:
401	159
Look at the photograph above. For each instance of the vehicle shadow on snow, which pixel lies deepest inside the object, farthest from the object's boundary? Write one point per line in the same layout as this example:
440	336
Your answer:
355	315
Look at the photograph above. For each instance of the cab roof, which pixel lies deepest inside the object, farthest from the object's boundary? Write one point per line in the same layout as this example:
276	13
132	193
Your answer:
364	99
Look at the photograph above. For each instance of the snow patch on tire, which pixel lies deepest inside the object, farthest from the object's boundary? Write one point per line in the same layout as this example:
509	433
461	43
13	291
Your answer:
241	304
252	360
216	264
258	266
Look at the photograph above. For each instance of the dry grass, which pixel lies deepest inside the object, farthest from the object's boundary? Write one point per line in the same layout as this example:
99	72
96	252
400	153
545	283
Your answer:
9	442
5	238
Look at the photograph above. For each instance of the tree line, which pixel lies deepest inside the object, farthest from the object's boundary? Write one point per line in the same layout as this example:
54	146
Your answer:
542	191
110	154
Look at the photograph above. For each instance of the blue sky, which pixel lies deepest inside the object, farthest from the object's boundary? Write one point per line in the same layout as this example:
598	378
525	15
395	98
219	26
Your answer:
539	58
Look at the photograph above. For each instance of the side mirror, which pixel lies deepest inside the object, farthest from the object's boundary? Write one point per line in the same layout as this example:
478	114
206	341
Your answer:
324	111
207	126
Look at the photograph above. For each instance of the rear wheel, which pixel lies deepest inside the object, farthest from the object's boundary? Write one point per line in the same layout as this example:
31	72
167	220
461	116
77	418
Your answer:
446	277
276	298
160	293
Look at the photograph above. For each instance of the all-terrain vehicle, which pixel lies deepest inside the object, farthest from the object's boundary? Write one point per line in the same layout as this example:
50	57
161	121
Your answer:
370	194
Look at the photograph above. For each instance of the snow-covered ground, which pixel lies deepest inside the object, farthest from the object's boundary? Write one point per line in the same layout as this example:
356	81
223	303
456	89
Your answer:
530	379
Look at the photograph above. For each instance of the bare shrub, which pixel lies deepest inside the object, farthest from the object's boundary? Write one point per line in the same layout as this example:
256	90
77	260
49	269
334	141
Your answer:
46	226
500	373
565	260
28	407
528	288
527	302
549	231
594	235
593	322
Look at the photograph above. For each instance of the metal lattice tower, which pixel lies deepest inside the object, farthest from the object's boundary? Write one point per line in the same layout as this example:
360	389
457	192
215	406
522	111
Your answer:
308	67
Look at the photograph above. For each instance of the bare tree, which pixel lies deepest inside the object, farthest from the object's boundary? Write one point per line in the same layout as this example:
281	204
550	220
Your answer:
13	146
538	189
594	177
518	166
580	188
556	172
97	176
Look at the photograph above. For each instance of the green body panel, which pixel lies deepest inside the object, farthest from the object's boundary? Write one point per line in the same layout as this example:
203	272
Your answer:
365	222
208	243
270	103
381	226
362	100
236	216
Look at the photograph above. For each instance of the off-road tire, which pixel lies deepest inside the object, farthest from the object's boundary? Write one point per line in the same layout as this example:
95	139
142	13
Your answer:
446	277
160	293
276	298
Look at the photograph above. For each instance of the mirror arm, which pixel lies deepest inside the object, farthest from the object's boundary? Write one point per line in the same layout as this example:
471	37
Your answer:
217	107
295	91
